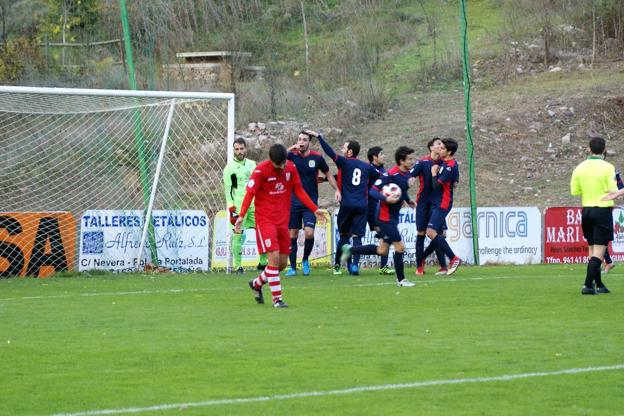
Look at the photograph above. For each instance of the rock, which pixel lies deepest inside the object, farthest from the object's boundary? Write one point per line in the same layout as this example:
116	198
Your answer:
566	139
251	126
551	113
555	69
611	152
261	126
527	190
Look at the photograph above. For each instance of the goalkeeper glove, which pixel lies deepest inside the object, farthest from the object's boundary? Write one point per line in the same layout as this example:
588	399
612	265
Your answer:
233	214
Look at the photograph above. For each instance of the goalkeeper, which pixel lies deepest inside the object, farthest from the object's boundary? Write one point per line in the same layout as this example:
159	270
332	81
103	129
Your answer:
235	177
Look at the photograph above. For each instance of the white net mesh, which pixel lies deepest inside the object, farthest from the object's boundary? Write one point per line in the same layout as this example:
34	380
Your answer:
76	153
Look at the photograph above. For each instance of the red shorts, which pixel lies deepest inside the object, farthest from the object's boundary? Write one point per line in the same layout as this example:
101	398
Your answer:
269	237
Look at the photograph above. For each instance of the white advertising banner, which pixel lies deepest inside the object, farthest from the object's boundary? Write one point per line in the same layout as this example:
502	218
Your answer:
222	232
110	240
509	235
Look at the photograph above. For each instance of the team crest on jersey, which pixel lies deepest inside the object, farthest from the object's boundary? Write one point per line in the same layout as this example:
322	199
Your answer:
378	182
250	184
279	187
312	163
287	176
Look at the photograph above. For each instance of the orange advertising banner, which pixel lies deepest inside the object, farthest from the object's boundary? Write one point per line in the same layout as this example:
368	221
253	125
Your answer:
36	244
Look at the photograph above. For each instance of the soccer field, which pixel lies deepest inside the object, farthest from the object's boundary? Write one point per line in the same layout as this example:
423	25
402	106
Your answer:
486	341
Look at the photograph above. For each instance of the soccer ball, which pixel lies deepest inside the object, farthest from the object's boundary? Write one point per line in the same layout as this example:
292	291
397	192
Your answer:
392	192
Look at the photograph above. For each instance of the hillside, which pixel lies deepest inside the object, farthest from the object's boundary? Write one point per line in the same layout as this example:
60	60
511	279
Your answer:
520	157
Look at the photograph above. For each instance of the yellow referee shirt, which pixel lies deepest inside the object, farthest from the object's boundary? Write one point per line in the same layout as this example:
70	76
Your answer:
593	179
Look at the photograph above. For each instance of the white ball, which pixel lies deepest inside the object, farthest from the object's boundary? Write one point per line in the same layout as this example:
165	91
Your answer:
392	192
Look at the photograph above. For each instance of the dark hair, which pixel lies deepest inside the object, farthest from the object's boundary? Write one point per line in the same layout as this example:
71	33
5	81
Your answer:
597	145
278	153
240	140
305	133
354	146
451	145
372	152
431	142
402	153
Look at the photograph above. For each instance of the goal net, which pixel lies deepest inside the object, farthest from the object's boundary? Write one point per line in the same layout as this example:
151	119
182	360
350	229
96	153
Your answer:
81	171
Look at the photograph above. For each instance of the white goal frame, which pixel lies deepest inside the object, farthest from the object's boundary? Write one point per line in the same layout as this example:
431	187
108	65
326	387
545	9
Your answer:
229	97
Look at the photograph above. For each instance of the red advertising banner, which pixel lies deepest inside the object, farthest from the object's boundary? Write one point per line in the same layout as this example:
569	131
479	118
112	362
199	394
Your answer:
563	235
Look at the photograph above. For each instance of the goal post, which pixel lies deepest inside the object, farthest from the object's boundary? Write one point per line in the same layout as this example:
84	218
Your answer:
107	158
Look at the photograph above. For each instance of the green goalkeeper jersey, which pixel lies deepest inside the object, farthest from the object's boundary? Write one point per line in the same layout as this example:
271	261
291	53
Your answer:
235	177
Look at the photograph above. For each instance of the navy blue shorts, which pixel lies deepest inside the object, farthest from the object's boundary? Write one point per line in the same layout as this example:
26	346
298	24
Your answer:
352	220
423	213
299	215
389	232
437	221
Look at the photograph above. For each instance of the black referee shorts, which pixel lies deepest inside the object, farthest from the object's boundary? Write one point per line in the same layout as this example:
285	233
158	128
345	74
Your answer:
597	223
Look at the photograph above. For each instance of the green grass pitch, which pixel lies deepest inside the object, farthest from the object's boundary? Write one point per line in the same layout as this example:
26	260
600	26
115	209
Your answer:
486	341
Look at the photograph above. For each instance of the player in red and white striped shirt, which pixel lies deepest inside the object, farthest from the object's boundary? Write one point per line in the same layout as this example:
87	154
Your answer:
271	185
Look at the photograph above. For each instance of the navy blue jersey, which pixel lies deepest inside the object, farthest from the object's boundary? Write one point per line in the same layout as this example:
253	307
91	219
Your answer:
389	213
372	202
353	177
422	171
618	179
308	167
447	178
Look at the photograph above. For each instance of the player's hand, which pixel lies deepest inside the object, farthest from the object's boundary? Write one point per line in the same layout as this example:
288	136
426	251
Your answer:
238	224
233	214
311	133
612	195
320	217
435	169
294	148
337	196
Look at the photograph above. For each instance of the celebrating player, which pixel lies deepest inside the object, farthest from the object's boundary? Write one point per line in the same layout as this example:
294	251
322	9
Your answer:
308	164
353	177
444	178
235	177
377	158
271	185
422	171
388	214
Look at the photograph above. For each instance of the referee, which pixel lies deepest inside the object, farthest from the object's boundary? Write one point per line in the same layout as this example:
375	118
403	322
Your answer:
592	179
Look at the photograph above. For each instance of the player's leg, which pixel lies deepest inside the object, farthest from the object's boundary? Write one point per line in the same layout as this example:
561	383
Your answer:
609	264
602	233
434	229
294	225
267	242
309	224
250	222
358	228
343	221
423	213
394	236
283	243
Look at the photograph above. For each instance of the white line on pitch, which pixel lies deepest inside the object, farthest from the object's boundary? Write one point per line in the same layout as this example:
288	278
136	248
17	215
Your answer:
244	287
382	387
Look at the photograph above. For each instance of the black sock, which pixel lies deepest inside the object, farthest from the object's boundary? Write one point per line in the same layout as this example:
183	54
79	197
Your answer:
420	248
357	242
607	257
595	271
367	250
341	242
308	245
440	242
384	261
293	253
429	250
441	258
399	265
